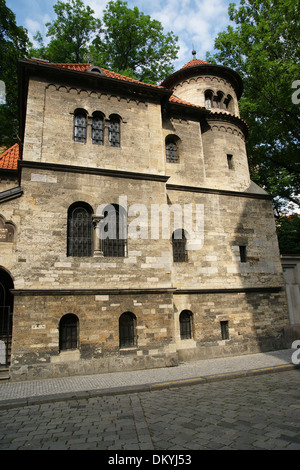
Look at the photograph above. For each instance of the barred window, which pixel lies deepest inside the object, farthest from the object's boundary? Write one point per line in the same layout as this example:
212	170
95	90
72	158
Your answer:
80	125
179	246
68	332
127	330
98	129
172	150
114	131
114	231
185	320
79	230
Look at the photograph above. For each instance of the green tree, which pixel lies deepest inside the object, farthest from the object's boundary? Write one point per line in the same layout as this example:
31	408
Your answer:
128	42
134	44
264	48
71	33
288	231
13	45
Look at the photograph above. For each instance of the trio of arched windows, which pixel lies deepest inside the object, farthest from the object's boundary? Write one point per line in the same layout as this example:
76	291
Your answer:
98	128
69	330
218	100
112	236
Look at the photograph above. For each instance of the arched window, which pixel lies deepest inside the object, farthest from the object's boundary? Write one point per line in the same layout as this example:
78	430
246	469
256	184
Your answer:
185	320
229	104
127	330
172	149
114	131
179	246
68	332
208	98
114	231
218	99
98	128
80	116
80	230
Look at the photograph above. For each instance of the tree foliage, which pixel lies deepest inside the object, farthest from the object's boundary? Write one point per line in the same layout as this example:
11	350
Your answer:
131	42
288	231
126	40
13	45
264	48
71	33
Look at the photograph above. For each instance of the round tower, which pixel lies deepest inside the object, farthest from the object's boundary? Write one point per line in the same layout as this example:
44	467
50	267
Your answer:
214	87
217	90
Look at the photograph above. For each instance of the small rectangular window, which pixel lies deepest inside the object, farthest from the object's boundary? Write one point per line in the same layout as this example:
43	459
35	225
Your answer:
224	329
243	254
230	161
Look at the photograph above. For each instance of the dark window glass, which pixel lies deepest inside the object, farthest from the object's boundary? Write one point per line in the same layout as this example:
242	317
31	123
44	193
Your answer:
224	329
114	132
114	232
185	321
68	332
79	231
98	130
179	246
127	330
243	254
171	152
80	127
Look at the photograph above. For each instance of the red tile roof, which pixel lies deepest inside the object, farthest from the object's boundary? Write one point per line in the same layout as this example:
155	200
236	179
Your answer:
9	158
193	62
86	67
175	99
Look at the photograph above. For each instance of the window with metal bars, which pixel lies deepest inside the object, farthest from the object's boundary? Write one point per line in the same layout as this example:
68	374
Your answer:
80	230
98	129
114	131
68	332
172	154
127	330
185	320
80	125
114	232
179	246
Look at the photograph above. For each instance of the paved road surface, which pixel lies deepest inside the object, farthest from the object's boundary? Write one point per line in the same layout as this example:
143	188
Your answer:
255	412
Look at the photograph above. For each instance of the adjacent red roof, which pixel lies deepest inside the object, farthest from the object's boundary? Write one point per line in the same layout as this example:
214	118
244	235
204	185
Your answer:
9	158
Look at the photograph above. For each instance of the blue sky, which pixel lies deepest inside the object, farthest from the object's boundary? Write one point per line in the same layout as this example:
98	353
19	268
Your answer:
195	22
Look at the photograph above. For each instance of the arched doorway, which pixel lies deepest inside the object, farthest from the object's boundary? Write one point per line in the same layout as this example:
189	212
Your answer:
6	316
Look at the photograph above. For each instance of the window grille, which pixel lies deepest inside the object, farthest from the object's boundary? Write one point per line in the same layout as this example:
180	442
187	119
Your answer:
79	231
80	127
171	152
114	132
127	335
185	321
98	130
114	232
68	332
179	246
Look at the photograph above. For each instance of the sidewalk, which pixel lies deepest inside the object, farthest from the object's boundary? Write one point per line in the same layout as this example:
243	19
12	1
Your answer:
48	390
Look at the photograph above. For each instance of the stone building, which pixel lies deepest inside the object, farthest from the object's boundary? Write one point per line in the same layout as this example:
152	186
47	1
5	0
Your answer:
132	235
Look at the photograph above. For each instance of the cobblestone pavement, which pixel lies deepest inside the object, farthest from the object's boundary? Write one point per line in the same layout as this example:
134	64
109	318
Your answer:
259	412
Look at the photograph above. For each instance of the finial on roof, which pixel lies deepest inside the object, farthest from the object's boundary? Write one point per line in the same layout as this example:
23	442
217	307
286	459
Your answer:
194	53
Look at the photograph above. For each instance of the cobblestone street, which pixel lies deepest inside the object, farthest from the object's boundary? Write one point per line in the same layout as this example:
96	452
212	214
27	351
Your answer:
260	412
